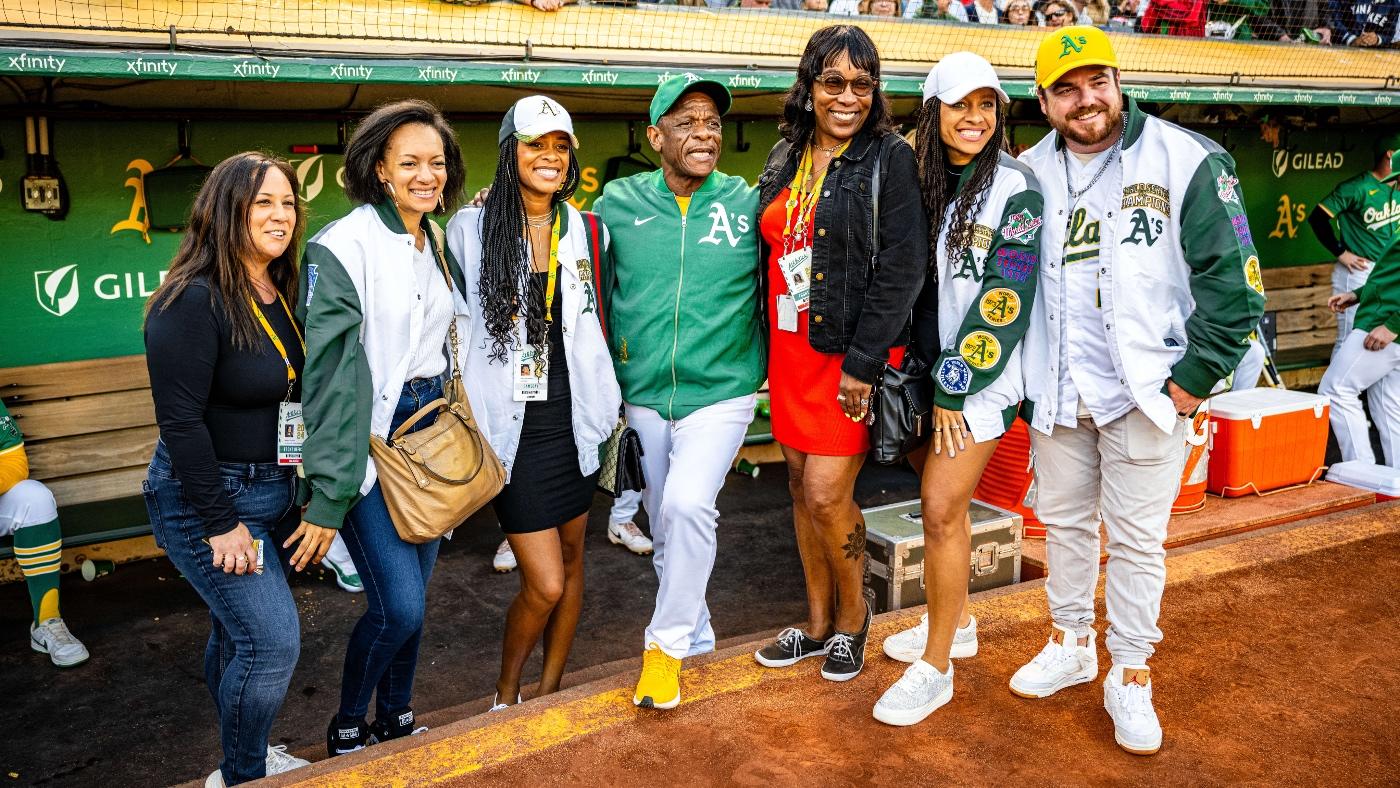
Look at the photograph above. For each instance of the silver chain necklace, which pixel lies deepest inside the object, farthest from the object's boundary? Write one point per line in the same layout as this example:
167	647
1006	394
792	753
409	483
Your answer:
1113	152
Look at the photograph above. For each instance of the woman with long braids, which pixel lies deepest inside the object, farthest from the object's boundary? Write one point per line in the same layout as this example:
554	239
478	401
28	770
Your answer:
538	375
838	311
968	323
378	300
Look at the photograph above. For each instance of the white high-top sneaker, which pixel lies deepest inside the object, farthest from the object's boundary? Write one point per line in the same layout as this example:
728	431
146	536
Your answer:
1062	663
1127	696
908	645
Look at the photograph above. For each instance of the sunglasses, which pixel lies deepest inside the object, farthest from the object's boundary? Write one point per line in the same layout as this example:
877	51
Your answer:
835	85
1056	14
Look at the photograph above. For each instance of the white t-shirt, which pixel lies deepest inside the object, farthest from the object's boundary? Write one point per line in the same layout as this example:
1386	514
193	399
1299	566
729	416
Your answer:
435	300
1086	368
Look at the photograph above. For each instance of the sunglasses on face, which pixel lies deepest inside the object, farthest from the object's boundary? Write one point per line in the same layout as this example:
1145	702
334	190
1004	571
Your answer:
1056	14
835	85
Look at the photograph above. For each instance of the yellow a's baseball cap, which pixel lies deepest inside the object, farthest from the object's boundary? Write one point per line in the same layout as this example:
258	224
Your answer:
1069	48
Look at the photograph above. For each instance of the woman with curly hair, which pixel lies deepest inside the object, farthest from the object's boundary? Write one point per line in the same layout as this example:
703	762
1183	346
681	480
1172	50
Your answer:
538	374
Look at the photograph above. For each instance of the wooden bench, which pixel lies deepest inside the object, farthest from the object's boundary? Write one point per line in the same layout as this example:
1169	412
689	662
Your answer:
1306	327
89	430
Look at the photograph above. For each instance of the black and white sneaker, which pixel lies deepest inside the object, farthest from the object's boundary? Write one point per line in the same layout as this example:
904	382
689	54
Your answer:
397	726
792	646
344	737
845	652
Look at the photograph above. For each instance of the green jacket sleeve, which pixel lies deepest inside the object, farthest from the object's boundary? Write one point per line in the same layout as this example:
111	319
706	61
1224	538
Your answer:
1003	306
1225	279
336	389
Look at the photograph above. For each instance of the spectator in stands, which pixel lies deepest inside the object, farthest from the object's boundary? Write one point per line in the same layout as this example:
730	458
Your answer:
1125	15
755	3
952	10
28	512
1175	18
830	341
1369	360
820	6
979	297
1363	23
547	5
1292	20
225	355
1018	12
882	8
377	308
1234	19
984	12
527	257
1091	12
847	7
1057	13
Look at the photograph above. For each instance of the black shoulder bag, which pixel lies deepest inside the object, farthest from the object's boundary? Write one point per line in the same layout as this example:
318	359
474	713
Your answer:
901	405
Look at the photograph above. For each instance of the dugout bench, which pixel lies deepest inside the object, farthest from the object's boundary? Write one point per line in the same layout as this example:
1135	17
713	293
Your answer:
89	430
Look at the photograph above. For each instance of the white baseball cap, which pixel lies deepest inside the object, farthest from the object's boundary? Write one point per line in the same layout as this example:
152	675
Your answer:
535	116
960	73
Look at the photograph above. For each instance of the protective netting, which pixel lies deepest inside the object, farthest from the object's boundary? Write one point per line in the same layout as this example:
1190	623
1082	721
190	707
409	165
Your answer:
1326	38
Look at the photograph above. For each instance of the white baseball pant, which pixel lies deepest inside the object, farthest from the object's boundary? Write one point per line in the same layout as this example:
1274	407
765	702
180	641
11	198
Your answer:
1355	369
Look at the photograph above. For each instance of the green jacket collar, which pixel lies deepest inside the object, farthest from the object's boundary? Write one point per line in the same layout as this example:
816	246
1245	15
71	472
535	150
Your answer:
1134	117
658	182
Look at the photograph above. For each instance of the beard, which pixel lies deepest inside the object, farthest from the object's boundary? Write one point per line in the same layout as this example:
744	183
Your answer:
1088	138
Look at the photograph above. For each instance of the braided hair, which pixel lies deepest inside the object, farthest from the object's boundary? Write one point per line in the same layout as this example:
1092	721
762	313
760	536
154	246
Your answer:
933	180
505	280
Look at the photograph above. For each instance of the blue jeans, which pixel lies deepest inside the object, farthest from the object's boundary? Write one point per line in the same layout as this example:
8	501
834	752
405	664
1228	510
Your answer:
255	634
383	650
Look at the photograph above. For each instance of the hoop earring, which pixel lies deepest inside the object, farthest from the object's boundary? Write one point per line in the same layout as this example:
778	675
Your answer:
808	105
389	187
441	207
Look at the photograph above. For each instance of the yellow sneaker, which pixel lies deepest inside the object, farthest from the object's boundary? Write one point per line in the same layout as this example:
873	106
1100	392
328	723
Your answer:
660	685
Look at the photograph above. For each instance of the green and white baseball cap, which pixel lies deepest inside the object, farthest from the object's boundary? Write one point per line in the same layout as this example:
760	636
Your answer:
672	89
535	116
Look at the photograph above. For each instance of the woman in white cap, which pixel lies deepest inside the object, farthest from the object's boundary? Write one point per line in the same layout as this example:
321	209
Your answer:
539	375
984	212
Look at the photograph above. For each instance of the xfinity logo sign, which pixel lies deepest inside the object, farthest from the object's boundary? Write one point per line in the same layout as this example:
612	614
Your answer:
1284	160
57	291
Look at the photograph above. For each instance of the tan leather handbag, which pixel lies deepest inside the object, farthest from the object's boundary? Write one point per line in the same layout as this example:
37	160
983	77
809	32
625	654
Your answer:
437	477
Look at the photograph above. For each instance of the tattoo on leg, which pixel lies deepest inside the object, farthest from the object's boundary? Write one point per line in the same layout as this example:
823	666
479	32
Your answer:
855	543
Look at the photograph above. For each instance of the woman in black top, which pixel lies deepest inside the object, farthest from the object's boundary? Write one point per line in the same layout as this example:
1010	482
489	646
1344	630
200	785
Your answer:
225	359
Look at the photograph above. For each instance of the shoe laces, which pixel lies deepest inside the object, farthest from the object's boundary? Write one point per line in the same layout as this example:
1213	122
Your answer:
839	647
1054	655
58	634
279	761
790	639
657	665
1135	699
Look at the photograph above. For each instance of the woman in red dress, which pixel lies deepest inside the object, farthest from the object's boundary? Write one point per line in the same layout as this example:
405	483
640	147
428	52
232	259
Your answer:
837	312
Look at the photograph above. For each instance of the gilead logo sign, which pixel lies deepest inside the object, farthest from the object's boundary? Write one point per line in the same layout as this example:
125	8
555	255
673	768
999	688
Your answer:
58	290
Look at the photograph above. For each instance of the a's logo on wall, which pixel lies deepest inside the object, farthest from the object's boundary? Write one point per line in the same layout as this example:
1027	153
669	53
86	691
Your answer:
57	291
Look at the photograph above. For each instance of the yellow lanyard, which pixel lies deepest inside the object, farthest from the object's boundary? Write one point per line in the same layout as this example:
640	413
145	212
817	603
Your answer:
553	267
804	200
277	341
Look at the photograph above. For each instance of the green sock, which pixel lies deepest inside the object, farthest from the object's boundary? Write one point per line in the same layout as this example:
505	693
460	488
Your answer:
39	549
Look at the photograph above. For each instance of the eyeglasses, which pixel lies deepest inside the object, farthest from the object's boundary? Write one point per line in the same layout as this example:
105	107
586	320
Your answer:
1056	14
835	85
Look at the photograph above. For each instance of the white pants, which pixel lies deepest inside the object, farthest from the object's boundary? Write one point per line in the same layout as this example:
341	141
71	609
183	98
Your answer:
1345	280
1126	473
685	463
1355	369
27	503
625	508
1250	367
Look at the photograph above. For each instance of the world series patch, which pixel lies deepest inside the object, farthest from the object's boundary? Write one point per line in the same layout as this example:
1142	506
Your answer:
953	376
981	349
1253	276
1000	306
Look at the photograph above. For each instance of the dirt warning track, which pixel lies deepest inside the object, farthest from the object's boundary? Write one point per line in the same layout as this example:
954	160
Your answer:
1277	668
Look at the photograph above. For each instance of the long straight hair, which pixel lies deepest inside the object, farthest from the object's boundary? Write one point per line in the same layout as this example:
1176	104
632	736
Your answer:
506	284
217	242
933	180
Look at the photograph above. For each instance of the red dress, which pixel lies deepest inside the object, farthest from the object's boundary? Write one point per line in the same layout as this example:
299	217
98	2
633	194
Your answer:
802	382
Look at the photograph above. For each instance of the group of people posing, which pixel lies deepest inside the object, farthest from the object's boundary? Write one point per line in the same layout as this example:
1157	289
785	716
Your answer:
1100	286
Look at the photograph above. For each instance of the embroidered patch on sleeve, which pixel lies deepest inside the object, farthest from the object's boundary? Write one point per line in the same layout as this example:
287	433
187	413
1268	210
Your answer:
1021	227
9	432
980	349
1253	276
1241	224
1015	264
311	270
1225	187
953	376
1000	306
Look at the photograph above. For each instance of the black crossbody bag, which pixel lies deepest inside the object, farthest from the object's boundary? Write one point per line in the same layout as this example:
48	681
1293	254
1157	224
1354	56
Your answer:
901	405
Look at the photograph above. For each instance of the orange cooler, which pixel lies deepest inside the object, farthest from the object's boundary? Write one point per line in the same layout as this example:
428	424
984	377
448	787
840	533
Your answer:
1264	439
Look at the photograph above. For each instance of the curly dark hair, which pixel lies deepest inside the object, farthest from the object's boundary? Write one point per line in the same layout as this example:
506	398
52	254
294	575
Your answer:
933	179
368	147
823	48
505	256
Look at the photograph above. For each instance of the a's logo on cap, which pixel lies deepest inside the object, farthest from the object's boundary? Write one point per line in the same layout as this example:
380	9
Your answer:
1073	44
545	107
690	78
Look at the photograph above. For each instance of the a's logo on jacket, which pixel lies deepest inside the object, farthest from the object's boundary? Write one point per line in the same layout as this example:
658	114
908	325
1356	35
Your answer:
720	223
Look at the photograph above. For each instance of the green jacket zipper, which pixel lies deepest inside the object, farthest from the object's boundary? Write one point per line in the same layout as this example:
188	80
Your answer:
676	324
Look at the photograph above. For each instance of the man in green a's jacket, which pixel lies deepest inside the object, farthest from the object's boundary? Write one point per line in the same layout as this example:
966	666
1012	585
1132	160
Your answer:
681	303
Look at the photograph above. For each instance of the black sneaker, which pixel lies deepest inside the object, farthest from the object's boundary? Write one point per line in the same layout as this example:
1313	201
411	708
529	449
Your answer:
346	736
845	652
792	646
397	726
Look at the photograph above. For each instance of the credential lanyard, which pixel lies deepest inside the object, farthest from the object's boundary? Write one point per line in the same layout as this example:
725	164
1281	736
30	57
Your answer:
553	279
805	201
277	341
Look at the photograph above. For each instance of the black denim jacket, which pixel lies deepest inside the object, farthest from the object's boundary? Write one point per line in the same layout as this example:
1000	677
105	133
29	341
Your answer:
859	309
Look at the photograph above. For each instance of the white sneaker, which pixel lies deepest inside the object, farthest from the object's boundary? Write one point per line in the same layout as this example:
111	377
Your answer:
497	705
278	761
1057	666
53	638
346	575
505	558
214	780
908	646
629	536
1135	725
917	694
